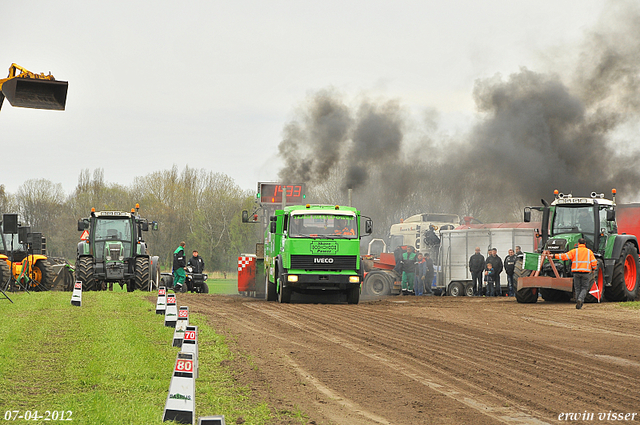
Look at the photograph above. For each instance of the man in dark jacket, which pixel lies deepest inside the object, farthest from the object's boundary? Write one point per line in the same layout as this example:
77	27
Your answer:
496	262
428	276
179	261
476	267
196	262
509	269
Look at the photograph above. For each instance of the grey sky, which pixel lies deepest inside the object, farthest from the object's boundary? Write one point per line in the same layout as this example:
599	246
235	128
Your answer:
211	84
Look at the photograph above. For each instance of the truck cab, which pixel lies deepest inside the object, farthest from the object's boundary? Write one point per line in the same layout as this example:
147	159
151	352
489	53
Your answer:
313	249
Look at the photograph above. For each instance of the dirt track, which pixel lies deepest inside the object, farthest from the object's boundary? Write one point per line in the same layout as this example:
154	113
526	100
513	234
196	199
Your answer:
433	360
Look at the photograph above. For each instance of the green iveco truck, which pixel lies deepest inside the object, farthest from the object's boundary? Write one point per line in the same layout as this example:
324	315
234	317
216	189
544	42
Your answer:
313	249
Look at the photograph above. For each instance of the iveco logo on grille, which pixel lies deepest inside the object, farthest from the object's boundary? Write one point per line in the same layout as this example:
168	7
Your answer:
323	260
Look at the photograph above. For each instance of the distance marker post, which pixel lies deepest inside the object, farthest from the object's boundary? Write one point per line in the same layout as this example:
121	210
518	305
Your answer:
161	303
76	297
181	326
171	312
190	345
212	420
181	401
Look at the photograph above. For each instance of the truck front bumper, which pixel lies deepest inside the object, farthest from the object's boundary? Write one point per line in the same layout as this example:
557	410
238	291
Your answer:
320	282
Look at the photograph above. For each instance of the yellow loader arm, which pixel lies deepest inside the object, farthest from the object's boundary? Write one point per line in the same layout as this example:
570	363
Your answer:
26	89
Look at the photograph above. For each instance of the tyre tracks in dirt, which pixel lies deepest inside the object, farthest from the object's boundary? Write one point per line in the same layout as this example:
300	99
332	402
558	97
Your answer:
406	362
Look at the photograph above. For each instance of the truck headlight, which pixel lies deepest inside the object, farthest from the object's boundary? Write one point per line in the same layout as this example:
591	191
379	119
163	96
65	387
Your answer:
354	279
292	278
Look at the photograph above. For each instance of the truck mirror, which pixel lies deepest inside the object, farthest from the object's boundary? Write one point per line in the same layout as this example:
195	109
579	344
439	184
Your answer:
273	218
245	216
368	226
527	216
272	228
154	225
611	215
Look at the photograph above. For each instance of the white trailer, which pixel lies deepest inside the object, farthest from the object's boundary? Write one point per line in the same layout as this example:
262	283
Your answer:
457	246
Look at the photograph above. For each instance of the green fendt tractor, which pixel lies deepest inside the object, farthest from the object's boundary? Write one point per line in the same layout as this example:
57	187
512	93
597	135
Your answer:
113	250
565	221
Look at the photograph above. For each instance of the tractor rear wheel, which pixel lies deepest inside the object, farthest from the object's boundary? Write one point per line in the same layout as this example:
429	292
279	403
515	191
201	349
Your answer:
5	272
624	283
525	295
42	276
84	273
141	273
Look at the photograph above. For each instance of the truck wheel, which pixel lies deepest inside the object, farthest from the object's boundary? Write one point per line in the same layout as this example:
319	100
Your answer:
353	295
595	292
284	295
456	289
553	295
525	295
377	284
269	289
84	273
624	283
141	274
468	290
42	275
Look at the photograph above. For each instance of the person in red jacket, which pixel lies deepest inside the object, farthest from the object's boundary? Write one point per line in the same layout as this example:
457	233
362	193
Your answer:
583	262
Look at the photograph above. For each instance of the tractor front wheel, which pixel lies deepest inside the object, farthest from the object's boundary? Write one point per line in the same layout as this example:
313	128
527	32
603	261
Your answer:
141	274
84	273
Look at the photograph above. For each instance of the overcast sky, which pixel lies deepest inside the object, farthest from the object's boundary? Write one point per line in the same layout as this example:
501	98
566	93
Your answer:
211	84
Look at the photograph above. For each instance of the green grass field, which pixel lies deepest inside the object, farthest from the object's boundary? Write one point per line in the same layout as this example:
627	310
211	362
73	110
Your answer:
107	362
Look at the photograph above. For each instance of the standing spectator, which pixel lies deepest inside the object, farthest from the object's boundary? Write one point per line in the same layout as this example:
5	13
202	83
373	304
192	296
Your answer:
497	266
476	267
196	262
179	261
583	263
488	277
509	269
408	269
420	272
519	252
429	273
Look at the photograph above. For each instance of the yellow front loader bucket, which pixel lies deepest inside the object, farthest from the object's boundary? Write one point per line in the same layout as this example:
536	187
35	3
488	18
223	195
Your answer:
26	89
37	94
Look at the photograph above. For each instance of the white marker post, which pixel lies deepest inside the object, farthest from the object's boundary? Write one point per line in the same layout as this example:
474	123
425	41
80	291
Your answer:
76	297
161	303
212	420
181	401
190	345
171	313
181	326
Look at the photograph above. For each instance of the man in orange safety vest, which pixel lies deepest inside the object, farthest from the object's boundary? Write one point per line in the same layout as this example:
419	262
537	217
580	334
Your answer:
583	262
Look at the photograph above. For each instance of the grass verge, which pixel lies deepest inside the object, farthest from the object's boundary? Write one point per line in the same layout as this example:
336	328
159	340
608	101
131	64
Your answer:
107	362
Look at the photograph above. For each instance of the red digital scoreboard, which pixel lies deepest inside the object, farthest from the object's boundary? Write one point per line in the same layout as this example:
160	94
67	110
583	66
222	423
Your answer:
271	193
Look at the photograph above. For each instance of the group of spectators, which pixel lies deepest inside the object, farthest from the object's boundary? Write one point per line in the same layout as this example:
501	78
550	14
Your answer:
488	271
179	263
417	271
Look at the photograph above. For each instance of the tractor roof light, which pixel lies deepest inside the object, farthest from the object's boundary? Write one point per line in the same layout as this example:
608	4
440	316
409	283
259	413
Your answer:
337	207
93	210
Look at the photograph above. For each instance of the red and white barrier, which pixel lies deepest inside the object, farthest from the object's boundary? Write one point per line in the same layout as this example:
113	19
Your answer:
181	400
181	326
171	312
161	302
76	297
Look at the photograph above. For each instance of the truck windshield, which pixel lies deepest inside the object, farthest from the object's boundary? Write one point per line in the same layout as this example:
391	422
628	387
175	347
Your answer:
574	220
323	226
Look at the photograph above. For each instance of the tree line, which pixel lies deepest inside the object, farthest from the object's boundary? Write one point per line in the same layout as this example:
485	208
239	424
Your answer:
200	207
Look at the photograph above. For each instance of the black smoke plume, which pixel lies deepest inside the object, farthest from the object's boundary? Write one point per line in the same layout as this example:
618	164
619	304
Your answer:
538	131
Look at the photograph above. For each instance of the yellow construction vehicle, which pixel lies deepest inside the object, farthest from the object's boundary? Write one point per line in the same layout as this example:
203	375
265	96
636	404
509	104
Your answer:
27	89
